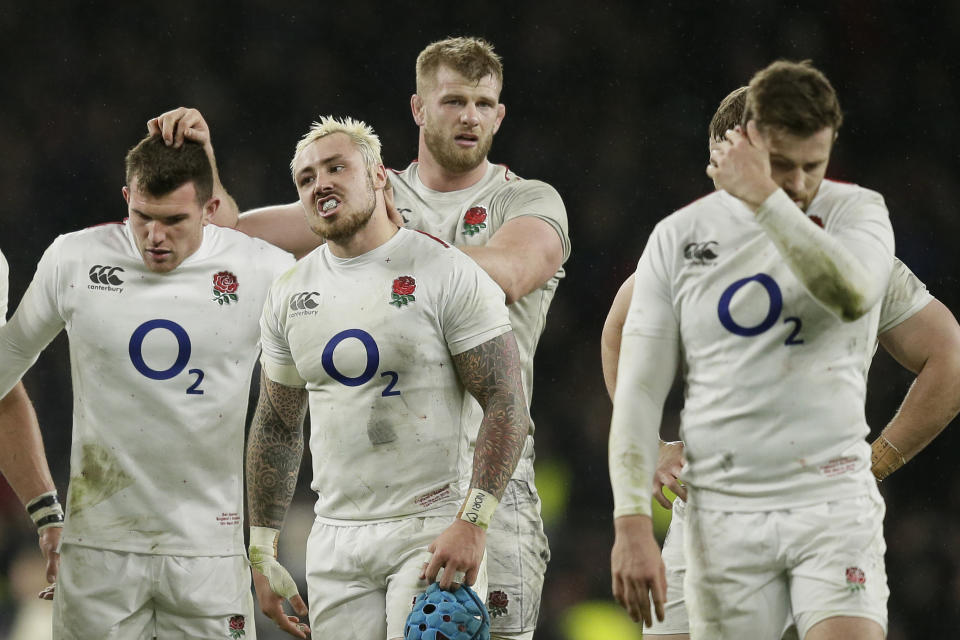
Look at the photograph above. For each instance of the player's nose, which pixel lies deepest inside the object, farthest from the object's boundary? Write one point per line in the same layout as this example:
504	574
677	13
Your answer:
470	115
155	233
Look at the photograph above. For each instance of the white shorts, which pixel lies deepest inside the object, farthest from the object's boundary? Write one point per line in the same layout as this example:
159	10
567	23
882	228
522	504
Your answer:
517	552
116	595
747	571
675	611
362	579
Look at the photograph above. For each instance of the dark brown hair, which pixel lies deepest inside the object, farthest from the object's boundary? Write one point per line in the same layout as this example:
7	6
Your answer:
793	96
160	169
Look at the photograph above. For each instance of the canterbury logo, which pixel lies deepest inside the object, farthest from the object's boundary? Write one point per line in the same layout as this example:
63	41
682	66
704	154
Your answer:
304	300
700	252
104	274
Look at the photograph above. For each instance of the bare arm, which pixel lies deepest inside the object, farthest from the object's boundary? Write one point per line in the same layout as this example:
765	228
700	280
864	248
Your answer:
927	343
521	256
274	451
24	464
612	332
282	225
491	373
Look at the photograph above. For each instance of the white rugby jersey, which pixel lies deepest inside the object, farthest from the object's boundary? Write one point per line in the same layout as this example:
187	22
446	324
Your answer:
470	217
161	366
4	288
372	338
775	384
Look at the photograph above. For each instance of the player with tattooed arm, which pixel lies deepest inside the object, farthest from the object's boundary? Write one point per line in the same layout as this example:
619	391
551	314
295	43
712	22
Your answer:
386	334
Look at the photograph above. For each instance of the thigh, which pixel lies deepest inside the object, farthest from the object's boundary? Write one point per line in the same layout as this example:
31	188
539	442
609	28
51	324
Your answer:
735	586
838	568
517	556
401	552
103	595
345	599
675	620
204	597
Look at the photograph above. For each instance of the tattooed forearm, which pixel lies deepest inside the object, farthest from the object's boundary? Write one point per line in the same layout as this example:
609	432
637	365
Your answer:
274	450
491	372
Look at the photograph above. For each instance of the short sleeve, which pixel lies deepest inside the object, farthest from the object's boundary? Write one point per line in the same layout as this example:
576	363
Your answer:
651	311
277	361
540	200
906	295
473	309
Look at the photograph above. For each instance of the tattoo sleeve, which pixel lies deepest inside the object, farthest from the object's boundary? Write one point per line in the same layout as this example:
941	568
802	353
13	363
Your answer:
274	451
491	373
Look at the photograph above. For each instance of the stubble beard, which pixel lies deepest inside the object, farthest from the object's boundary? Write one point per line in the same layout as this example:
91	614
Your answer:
346	223
451	157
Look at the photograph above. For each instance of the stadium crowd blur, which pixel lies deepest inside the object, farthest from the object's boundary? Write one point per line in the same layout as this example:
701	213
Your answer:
608	104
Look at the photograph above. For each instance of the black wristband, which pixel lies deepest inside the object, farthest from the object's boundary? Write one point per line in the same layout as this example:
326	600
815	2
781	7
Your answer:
45	501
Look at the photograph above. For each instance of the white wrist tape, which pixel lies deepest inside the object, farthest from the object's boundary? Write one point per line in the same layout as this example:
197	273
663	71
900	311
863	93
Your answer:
263	558
478	508
46	511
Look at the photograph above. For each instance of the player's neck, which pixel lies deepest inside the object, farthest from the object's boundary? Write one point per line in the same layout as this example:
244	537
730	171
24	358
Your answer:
376	232
434	176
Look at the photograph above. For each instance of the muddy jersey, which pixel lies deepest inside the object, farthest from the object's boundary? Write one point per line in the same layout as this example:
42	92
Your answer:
469	217
161	366
775	384
372	339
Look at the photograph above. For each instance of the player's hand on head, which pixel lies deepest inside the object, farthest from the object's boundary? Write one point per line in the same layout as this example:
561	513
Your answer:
637	571
459	552
669	466
181	124
740	165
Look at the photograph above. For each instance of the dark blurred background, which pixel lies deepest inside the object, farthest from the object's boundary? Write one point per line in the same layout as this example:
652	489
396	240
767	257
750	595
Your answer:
608	102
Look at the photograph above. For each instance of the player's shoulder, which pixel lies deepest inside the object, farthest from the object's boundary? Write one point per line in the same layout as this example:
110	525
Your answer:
703	208
109	235
258	252
838	193
403	177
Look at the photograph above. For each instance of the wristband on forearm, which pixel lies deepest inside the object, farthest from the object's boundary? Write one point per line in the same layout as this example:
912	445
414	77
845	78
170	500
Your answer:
45	511
884	458
478	508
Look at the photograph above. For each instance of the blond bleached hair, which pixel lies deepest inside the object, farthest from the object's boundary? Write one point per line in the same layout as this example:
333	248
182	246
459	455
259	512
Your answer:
359	132
473	58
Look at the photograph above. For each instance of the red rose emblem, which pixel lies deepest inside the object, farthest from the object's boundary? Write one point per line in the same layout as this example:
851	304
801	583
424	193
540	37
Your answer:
855	576
498	599
237	622
475	215
225	282
404	286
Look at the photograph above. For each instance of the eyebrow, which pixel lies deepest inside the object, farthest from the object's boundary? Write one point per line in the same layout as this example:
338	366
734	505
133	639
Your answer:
337	157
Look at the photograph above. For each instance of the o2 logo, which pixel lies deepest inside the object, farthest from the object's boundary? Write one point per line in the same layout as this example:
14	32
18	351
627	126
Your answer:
773	312
183	353
373	362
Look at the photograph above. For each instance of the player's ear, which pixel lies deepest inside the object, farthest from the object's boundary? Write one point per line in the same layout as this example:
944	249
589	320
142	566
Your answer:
210	210
416	108
126	193
379	177
501	113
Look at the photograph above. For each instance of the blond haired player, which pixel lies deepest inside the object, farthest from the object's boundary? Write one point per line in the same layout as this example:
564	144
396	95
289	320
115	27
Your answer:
776	319
515	229
29	475
162	313
384	332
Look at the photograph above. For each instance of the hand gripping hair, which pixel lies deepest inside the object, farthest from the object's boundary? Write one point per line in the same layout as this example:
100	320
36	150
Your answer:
448	615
